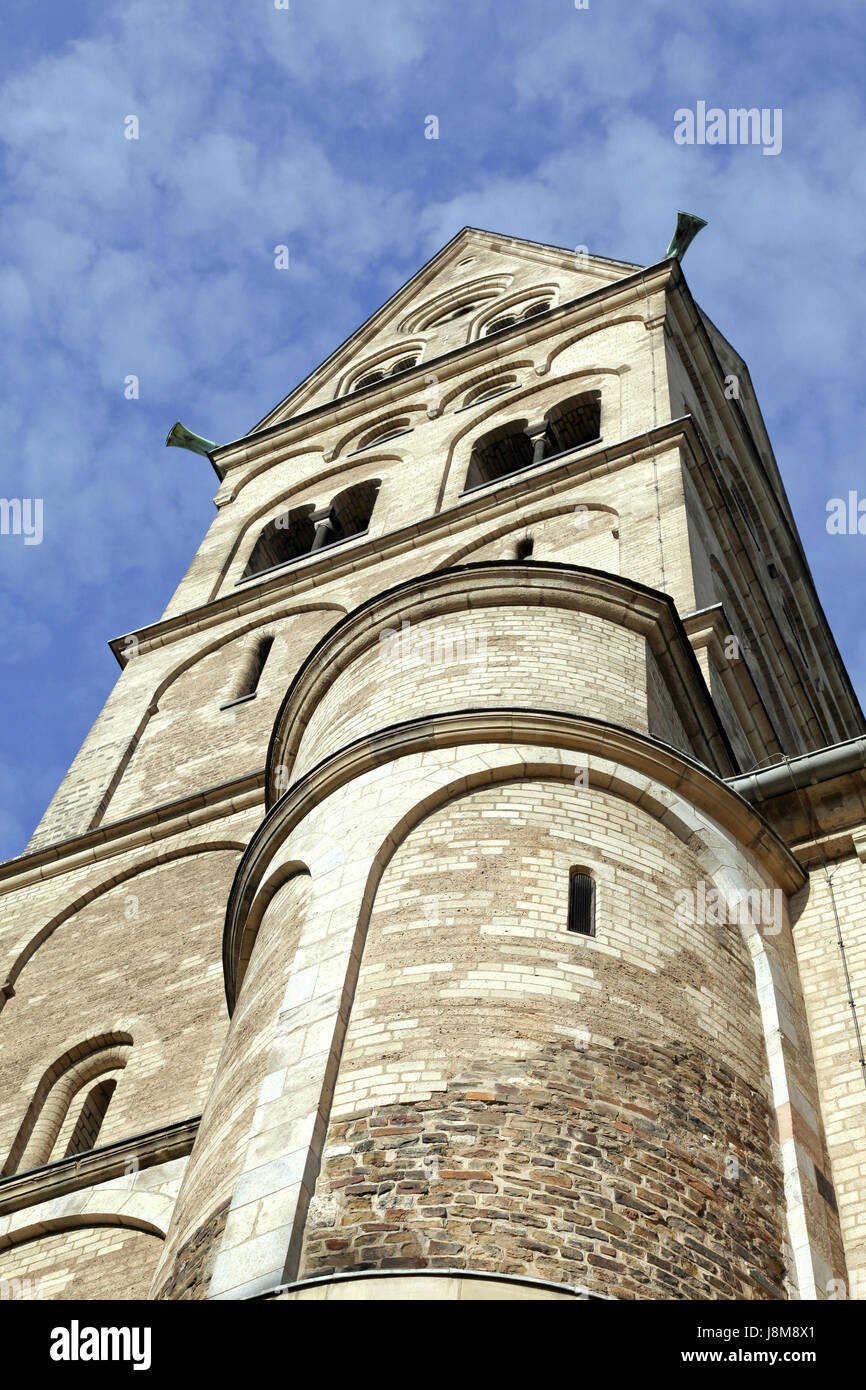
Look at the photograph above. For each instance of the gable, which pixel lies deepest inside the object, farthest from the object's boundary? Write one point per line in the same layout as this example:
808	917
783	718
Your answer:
479	281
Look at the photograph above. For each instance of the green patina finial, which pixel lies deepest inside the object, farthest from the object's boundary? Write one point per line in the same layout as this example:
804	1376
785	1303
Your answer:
181	438
687	229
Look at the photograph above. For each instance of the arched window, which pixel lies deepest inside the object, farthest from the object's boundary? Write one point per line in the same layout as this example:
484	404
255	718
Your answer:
50	1113
581	903
305	531
485	390
382	431
573	423
369	380
90	1117
499	324
284	538
351	510
502	451
534	309
403	365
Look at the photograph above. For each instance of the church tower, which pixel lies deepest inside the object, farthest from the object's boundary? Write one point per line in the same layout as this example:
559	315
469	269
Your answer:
458	895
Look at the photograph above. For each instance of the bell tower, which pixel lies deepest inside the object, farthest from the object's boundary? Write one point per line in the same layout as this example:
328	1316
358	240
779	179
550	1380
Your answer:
444	897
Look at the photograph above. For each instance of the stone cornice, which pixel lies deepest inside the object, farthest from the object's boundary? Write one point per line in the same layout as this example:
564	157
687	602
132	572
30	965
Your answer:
546	728
692	323
133	832
711	628
37	1185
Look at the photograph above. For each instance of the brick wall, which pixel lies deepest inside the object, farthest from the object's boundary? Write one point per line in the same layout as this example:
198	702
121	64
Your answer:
568	1089
840	1077
85	1262
521	655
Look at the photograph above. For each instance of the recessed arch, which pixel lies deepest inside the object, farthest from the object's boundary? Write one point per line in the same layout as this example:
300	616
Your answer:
264	467
276	504
294	868
115	1211
364	435
530	401
468	292
516	306
470	773
58	1086
564	344
260	622
384	360
525	521
27	952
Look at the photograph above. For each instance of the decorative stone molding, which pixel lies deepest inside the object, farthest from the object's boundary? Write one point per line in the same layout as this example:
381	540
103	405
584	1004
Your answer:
43	1186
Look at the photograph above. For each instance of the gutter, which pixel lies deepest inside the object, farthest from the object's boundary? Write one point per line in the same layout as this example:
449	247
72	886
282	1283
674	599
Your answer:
804	771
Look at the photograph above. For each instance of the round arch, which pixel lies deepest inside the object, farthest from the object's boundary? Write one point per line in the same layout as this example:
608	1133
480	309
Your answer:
97	891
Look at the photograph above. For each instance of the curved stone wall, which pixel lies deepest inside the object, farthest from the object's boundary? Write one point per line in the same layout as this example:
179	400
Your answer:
200	1216
81	1263
536	656
515	1098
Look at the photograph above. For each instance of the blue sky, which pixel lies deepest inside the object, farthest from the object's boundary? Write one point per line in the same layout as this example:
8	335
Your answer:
257	127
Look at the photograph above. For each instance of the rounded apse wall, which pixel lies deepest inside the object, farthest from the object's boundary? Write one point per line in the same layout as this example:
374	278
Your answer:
538	656
518	1099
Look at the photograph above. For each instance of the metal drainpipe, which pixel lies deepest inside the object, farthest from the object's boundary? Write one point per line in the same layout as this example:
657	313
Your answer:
793	775
804	771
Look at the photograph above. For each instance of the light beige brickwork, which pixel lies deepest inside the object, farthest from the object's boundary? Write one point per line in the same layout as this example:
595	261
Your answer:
839	1070
303	895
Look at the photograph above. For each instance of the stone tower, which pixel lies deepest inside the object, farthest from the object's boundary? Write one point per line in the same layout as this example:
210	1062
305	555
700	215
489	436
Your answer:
455	896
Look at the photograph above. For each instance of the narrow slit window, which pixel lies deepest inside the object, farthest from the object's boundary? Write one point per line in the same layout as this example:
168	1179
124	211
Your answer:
89	1122
253	673
581	903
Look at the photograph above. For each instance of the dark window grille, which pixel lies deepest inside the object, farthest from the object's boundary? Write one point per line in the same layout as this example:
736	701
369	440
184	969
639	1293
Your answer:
368	380
581	903
499	324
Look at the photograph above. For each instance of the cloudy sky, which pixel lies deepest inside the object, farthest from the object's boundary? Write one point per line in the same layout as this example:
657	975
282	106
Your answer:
304	126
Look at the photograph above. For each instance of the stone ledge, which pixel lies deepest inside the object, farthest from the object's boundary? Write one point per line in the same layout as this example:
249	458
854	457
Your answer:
97	1165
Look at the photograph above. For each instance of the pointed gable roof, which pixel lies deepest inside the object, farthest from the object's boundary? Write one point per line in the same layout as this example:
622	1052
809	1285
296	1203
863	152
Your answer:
475	264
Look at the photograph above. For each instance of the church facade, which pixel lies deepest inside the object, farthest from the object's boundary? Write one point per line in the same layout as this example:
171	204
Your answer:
460	893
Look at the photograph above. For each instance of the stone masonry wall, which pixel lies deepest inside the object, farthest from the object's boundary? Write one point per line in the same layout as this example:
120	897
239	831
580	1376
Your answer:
605	1119
609	1168
84	1262
840	1079
552	658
